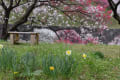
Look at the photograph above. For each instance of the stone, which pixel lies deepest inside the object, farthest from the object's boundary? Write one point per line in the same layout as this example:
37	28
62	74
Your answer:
46	35
115	41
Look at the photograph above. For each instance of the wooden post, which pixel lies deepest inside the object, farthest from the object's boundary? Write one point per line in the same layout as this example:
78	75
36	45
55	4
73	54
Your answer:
33	39
37	38
12	41
16	38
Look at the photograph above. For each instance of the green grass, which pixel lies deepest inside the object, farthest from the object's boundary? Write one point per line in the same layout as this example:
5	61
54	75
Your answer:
108	50
91	68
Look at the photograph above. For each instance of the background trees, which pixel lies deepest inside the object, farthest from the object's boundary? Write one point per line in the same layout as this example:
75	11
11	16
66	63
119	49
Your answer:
54	12
8	6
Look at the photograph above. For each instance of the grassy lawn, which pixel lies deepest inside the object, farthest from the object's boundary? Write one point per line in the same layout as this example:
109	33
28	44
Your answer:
108	50
65	67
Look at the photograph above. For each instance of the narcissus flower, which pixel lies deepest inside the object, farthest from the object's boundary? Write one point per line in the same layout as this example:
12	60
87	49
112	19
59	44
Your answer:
1	46
84	56
68	52
15	72
51	68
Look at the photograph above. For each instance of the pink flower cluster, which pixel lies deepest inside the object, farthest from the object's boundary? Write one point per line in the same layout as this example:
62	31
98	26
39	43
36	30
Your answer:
71	36
96	8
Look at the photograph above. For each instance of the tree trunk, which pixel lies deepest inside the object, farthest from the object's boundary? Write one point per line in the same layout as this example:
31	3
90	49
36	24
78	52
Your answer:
5	26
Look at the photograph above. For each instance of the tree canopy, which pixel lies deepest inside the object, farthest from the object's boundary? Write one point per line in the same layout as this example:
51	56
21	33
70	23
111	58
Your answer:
91	13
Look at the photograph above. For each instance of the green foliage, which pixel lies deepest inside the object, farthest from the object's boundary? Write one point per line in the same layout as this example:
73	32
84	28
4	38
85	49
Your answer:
7	60
28	62
63	65
99	54
28	66
36	63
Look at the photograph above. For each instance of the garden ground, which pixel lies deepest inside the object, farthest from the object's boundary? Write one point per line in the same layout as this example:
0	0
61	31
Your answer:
91	68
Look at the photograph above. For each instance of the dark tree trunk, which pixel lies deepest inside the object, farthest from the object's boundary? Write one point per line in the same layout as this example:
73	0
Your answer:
5	25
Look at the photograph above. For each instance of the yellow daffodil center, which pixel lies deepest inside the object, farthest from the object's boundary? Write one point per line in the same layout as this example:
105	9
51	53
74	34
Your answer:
68	52
15	72
84	55
51	68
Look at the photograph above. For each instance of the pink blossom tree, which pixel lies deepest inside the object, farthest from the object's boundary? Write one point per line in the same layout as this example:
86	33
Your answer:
87	12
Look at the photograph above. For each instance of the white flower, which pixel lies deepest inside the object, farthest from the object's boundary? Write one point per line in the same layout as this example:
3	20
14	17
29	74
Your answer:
1	46
68	52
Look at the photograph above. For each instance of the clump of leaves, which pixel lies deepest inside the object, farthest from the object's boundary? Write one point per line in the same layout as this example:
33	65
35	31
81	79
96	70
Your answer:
99	54
7	60
61	65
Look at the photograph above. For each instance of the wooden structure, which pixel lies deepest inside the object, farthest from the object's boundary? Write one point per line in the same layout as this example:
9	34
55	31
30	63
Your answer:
14	37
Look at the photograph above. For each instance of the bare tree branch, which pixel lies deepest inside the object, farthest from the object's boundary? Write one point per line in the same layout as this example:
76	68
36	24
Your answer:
11	3
3	5
17	4
23	19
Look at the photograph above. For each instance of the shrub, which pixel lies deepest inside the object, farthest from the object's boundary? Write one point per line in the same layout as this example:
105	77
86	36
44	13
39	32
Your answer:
71	36
99	54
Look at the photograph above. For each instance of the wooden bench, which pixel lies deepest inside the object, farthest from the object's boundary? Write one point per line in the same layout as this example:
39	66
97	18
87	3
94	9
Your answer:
14	37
